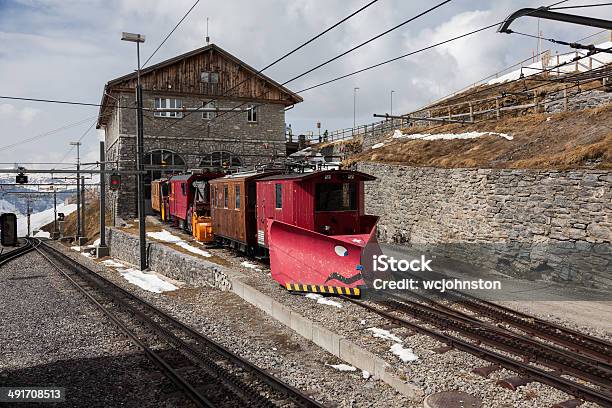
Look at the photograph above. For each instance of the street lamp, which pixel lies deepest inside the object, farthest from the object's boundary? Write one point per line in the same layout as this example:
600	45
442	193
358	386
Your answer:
392	103
355	108
138	38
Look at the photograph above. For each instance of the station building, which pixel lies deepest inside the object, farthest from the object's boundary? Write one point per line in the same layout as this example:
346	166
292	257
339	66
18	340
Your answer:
243	125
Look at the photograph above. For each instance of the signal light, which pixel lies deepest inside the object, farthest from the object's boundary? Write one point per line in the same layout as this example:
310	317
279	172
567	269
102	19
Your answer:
21	178
115	181
60	216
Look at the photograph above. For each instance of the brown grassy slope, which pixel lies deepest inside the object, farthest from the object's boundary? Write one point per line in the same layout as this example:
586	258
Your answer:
92	221
567	140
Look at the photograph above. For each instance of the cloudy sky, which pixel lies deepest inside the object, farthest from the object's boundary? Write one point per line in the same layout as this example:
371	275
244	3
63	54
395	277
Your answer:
68	49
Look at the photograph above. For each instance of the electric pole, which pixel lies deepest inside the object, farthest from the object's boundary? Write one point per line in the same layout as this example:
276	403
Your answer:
137	38
102	249
78	192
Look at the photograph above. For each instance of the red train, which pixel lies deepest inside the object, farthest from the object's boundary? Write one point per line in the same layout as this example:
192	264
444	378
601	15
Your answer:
312	225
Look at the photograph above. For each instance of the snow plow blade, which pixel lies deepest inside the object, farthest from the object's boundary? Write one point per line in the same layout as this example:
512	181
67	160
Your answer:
307	261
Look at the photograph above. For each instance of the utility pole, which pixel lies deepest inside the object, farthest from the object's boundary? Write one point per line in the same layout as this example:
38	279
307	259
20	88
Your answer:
137	38
392	102
102	249
55	231
355	108
28	211
78	192
83	238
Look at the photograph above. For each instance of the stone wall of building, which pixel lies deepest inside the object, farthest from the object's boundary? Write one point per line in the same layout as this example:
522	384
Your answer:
191	137
555	102
542	224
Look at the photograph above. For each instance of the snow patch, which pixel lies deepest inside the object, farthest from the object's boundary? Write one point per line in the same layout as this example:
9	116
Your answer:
342	367
170	238
113	264
250	265
404	354
42	234
384	334
449	136
377	145
366	374
146	281
40	219
323	300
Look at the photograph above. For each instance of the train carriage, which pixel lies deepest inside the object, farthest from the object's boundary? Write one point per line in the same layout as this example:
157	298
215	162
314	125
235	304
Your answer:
233	209
316	230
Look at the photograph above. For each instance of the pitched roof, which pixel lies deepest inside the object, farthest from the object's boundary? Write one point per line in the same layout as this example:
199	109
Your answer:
294	98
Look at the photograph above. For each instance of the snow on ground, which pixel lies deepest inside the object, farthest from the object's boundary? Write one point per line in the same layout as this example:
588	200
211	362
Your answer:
247	264
377	145
146	281
40	219
170	238
112	263
365	374
404	354
384	334
597	61
323	300
448	136
342	367
42	234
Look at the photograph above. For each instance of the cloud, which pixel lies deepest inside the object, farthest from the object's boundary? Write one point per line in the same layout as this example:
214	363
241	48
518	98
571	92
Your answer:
24	115
68	49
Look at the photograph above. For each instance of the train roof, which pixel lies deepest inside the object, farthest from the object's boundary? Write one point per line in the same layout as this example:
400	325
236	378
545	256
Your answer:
247	175
191	176
316	174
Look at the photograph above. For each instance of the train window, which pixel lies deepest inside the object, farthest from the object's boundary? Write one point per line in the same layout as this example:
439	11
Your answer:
279	195
183	189
225	196
335	197
237	191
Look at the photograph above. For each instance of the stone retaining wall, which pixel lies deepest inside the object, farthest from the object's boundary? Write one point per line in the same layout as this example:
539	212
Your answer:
555	102
527	223
189	269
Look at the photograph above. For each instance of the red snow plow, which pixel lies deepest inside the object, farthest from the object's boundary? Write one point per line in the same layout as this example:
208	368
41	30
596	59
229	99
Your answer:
315	229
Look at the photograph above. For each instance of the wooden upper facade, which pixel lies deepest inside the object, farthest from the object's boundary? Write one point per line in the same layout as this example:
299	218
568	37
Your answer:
208	72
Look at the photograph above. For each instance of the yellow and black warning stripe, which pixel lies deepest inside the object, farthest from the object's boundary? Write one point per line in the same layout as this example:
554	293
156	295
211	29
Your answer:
332	290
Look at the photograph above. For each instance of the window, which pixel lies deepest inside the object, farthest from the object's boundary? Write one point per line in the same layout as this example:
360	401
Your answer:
209	77
252	113
225	196
213	198
237	192
220	159
209	115
155	162
184	189
164	103
335	197
279	195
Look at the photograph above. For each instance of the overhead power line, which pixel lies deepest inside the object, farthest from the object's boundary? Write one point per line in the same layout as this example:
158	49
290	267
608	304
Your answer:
299	47
339	56
61	102
170	33
580	6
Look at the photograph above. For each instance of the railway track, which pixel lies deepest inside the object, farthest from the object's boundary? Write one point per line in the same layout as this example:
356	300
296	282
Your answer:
207	373
29	245
488	342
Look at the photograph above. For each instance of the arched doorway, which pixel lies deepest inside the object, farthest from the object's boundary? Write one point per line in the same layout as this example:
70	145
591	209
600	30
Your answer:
160	163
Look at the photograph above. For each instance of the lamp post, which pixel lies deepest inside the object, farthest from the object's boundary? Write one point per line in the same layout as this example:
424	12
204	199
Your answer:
138	38
355	108
392	102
